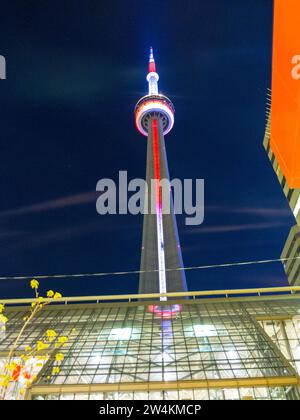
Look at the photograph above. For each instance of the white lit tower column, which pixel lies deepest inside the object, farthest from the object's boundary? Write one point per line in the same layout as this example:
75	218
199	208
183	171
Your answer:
161	251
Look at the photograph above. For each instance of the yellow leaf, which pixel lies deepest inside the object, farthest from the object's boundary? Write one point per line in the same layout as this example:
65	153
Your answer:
11	366
59	357
50	293
55	370
41	346
4	383
34	284
3	318
51	334
62	339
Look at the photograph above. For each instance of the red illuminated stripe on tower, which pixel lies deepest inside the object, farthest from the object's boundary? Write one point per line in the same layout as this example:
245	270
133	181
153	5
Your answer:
156	164
163	312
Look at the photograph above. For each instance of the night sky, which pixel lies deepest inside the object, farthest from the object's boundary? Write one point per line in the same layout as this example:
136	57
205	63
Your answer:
75	70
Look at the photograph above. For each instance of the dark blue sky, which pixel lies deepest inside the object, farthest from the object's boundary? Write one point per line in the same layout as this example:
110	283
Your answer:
75	70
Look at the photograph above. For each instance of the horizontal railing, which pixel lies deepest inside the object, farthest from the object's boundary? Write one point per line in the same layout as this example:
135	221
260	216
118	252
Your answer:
275	381
227	293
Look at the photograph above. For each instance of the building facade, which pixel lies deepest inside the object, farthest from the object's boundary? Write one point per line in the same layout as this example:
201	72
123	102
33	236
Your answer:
282	137
291	249
242	344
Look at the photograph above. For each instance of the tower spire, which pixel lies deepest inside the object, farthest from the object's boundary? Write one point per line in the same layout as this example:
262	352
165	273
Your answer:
151	67
152	76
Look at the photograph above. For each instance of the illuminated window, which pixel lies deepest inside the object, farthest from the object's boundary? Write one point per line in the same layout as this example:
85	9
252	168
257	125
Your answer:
205	330
120	334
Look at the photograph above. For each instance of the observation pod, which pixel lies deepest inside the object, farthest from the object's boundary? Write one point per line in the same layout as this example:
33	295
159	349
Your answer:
158	106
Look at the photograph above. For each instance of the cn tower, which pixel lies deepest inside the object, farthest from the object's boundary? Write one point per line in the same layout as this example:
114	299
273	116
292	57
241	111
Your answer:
161	259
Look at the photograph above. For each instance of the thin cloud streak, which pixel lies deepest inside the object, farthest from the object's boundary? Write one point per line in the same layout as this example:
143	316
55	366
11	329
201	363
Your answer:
235	228
260	211
68	201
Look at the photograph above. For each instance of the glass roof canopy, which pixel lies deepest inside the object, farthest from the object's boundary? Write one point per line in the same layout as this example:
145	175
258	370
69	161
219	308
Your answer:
124	348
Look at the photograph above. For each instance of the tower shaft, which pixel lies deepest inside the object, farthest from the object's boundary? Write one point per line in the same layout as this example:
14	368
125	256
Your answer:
160	247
